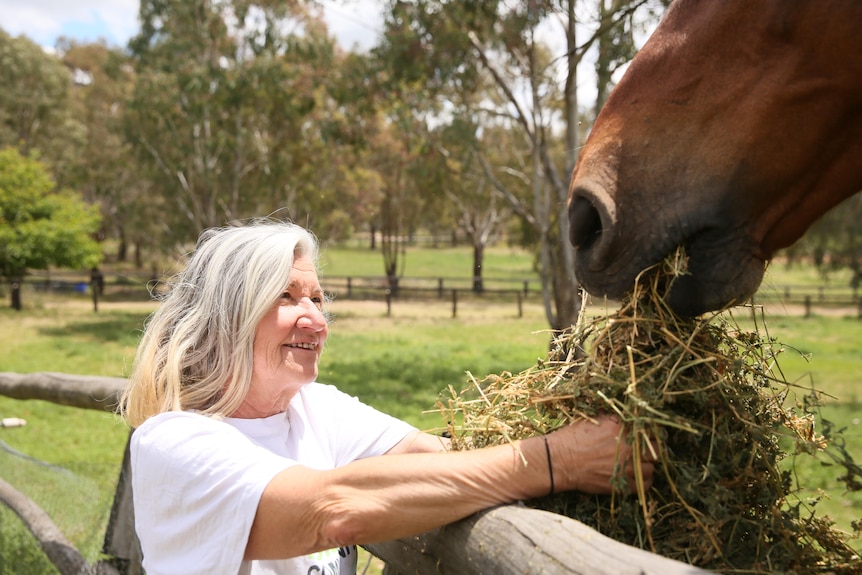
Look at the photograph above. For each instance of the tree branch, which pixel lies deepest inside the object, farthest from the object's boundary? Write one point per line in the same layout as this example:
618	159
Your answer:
57	548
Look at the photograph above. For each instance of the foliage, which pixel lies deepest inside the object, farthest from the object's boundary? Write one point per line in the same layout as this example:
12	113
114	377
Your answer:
227	111
834	242
39	227
36	111
495	67
107	173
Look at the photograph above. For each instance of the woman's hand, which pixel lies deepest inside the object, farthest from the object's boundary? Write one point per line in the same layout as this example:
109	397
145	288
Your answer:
585	454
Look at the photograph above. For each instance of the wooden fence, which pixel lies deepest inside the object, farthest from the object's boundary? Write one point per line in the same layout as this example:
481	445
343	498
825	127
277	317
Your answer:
506	540
810	298
454	290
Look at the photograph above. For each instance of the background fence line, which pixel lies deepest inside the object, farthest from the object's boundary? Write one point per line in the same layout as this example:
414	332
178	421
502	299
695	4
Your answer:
459	290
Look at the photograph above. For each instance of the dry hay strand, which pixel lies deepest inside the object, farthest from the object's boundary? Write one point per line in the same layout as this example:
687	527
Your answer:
708	399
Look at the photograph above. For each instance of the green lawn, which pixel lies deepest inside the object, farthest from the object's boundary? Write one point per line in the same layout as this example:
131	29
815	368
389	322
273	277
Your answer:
498	263
825	353
398	363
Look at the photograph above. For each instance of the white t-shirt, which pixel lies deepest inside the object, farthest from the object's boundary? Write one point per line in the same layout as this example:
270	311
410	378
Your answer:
197	481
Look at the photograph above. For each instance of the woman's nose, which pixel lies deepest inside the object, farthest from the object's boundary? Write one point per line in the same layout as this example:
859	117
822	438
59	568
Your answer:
312	316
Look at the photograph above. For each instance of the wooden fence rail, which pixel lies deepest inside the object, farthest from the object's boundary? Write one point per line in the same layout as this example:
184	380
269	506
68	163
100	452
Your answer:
507	540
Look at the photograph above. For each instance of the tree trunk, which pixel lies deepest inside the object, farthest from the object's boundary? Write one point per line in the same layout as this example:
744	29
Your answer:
15	294
122	247
478	258
139	255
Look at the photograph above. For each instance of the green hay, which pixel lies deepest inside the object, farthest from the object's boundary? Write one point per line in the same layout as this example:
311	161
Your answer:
709	401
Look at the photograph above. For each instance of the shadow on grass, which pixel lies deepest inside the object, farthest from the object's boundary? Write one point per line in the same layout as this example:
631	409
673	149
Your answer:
114	327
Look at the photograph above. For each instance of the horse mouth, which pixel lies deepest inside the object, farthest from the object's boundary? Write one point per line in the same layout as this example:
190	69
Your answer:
721	269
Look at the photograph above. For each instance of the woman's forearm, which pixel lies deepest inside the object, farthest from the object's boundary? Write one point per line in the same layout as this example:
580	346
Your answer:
408	494
404	493
383	498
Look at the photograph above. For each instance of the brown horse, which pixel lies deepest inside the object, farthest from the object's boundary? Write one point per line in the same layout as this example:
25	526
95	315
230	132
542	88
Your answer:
736	126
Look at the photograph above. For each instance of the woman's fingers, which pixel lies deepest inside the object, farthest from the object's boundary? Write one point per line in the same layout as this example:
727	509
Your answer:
586	454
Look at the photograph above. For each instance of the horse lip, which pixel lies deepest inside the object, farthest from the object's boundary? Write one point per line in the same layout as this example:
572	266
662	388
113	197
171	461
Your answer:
595	279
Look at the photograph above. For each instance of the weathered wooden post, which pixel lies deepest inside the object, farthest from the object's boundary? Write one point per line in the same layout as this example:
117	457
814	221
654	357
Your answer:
518	540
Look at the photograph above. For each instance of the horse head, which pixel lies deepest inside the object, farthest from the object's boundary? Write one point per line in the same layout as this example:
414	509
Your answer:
735	127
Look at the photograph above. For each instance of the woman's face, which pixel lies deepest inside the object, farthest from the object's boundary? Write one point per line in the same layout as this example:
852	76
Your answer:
287	344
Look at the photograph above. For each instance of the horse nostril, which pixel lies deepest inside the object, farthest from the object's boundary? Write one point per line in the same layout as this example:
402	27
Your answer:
585	223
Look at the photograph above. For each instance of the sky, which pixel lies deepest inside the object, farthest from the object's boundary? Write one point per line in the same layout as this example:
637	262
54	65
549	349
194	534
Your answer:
354	23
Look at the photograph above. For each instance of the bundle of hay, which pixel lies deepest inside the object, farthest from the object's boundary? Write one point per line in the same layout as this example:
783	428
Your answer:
722	421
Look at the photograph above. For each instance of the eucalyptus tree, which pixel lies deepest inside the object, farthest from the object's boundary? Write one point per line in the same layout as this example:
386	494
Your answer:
107	172
394	148
349	125
222	107
36	112
389	116
522	58
480	212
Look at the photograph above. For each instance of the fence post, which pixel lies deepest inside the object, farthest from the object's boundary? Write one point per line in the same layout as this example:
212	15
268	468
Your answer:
520	305
440	288
526	286
388	302
454	303
349	286
808	306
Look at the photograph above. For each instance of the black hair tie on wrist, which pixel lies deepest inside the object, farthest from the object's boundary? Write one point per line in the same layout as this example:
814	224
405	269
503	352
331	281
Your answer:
550	465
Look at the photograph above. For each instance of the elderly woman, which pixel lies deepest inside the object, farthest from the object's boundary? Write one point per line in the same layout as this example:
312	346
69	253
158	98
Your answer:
242	463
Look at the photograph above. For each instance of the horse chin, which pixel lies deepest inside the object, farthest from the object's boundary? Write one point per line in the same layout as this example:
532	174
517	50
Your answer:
713	285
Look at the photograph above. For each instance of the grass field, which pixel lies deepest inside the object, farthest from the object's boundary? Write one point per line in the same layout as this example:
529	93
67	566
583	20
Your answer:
398	363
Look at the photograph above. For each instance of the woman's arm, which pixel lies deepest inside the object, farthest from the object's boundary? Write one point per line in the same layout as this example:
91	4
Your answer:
303	510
